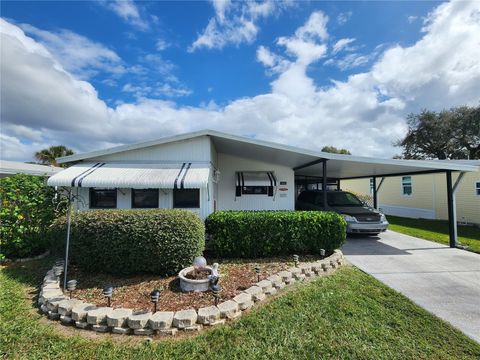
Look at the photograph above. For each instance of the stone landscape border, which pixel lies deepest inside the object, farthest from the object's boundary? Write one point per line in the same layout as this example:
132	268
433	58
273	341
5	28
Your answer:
58	306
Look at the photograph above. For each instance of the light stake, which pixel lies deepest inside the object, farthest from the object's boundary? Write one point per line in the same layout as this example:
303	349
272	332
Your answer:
322	252
71	286
295	260
108	292
258	270
154	296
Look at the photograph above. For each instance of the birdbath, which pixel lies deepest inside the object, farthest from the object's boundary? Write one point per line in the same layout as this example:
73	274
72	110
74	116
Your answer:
196	278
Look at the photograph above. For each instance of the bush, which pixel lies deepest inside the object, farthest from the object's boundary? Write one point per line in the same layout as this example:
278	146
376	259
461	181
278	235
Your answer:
28	207
160	241
267	233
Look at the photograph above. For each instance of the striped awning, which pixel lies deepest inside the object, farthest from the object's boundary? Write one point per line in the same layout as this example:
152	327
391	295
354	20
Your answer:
137	176
256	178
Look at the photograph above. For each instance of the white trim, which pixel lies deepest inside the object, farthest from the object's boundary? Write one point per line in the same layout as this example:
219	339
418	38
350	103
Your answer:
402	186
477	187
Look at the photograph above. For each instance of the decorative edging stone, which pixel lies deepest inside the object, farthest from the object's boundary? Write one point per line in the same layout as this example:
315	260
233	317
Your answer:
58	306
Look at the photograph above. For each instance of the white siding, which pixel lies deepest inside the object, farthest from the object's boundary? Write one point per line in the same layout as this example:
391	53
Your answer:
196	149
410	212
229	164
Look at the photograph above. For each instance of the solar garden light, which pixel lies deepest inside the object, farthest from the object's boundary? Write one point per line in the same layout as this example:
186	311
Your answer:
108	292
71	286
154	296
295	260
322	252
258	270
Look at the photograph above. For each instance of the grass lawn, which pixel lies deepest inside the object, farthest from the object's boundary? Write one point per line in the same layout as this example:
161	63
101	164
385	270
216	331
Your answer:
348	315
435	230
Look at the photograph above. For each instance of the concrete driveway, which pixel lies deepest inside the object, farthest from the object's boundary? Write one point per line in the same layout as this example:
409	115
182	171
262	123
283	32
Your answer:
444	281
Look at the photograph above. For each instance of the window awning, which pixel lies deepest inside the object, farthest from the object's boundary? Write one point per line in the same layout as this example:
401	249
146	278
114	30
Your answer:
138	176
256	178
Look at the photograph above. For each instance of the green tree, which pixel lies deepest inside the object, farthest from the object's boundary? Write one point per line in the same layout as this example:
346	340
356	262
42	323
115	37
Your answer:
28	207
48	156
334	150
449	134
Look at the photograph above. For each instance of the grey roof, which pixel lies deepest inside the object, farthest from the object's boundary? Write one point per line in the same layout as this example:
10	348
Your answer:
339	166
16	167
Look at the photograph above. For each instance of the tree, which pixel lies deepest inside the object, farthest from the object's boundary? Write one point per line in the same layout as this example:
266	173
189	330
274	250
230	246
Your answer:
48	156
334	150
449	134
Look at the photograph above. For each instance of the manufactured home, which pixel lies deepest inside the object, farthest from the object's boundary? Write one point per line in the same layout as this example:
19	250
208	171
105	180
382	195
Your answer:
425	196
207	170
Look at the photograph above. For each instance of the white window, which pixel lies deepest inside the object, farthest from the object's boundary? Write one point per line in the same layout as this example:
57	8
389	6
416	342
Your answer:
372	188
407	185
477	188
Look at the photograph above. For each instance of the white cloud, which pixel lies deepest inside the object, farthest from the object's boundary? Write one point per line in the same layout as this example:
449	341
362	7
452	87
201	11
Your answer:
235	23
162	44
364	113
412	18
343	17
342	44
349	61
129	12
77	54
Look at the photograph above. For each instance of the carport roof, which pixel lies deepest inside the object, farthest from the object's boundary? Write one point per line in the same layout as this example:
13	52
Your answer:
304	161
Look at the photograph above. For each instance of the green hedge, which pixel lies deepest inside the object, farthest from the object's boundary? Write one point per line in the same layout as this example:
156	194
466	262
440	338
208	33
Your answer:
159	241
267	233
28	207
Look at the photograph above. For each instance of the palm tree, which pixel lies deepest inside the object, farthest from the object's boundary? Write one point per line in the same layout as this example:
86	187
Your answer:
48	156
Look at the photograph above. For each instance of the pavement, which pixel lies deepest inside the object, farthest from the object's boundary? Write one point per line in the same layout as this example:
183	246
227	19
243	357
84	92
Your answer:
444	281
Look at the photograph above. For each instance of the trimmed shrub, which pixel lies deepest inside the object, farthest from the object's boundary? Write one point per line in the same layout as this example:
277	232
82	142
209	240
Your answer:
266	233
28	207
159	241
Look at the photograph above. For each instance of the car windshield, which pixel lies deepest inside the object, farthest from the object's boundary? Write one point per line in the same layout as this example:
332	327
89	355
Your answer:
343	199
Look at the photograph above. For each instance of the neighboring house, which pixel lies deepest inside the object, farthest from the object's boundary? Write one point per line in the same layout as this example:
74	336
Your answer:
425	196
9	168
207	170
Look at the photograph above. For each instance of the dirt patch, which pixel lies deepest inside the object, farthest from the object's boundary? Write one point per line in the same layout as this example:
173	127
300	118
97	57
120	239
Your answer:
134	291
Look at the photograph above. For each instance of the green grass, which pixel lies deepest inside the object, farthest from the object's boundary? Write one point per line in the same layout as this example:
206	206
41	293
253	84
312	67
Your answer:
435	230
348	315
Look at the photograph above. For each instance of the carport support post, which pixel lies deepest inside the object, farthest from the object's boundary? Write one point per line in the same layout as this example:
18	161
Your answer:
452	221
324	183
375	198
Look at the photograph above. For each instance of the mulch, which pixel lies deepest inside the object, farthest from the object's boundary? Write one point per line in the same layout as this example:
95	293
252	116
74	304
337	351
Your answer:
134	291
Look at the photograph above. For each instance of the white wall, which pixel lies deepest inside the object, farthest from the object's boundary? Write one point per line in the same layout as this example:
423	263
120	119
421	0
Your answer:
416	213
229	164
196	149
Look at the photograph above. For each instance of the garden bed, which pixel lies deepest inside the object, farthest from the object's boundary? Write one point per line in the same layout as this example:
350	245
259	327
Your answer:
133	292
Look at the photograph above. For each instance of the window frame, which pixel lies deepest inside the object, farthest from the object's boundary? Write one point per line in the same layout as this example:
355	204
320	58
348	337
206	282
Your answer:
405	184
95	190
144	207
175	191
264	190
477	188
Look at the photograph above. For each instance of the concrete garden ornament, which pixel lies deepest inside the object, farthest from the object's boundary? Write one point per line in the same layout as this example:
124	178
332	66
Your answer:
197	277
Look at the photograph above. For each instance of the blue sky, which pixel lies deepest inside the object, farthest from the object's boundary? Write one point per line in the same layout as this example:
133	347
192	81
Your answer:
148	69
